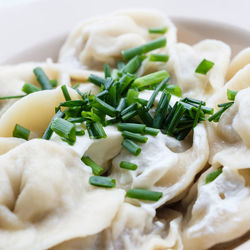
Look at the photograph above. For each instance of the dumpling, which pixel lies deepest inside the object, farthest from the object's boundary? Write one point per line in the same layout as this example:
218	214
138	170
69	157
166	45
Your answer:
46	198
101	40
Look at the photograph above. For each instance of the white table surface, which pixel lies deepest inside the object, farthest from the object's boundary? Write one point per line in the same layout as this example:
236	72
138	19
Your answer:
24	22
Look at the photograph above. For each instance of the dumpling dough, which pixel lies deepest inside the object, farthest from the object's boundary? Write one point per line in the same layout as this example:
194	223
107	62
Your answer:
46	199
161	169
101	40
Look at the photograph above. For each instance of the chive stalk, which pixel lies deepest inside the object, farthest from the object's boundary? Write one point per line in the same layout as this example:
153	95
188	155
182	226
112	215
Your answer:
96	169
158	58
134	136
102	181
29	88
143	194
161	30
65	93
42	78
132	147
204	67
21	132
128	165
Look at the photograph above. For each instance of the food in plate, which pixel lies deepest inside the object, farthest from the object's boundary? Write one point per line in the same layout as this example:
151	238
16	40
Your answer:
132	140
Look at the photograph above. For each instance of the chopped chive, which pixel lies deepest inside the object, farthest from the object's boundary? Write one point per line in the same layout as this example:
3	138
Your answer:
212	176
183	134
128	109
97	80
79	132
150	79
102	181
170	115
161	110
76	86
120	65
102	94
132	127
65	93
125	81
116	74
132	96
21	132
48	132
90	115
226	104
108	82
205	109
76	120
192	100
133	65
158	58
155	93
161	30
216	116
176	118
90	130
129	115
143	194
53	83
42	78
174	89
143	102
152	45
96	169
73	103
197	116
131	147
204	67
11	97
64	129
98	130
107	72
122	105
128	165
29	88
134	136
145	116
231	94
104	107
151	131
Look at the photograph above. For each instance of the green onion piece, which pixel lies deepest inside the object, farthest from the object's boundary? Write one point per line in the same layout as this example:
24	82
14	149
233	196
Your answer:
133	65
104	107
183	134
125	81
29	88
128	165
192	100
102	181
132	127
122	105
65	93
48	132
21	132
96	169
132	96
150	79
155	93
131	147
79	132
120	65
129	115
53	83
97	80
197	116
158	58
152	45
174	89
134	136
216	116
128	109
212	176
226	104
161	30
102	94
151	131
142	101
176	118
107	72
64	129
98	130
204	67
231	94
145	116
76	86
90	115
42	78
73	103
108	82
11	97
143	194
116	74
76	120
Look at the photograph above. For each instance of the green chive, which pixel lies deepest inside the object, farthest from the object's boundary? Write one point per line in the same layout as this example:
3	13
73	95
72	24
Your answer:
11	97
143	194
158	58
143	102
73	103
212	176
226	104
97	80
120	65
76	120
197	116
133	65
79	132
107	72
204	67
95	130
29	88
53	83
176	118
145	116
129	115
155	93
161	30
134	136
64	129
174	90
192	100
102	94
104	107
125	81
150	79
131	147
152	45
151	131
128	165
21	132
42	78
216	116
122	105
65	93
102	181
231	94
132	127
132	96
128	109
76	86
48	132
96	169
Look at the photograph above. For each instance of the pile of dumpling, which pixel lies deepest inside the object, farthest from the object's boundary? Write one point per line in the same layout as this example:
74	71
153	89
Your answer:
46	201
